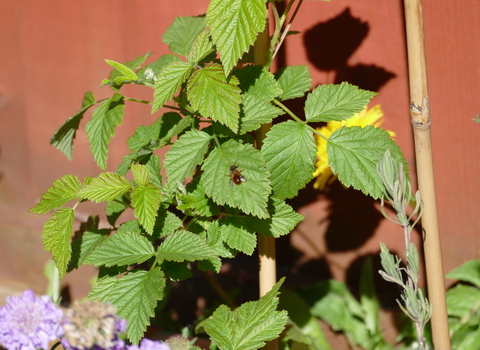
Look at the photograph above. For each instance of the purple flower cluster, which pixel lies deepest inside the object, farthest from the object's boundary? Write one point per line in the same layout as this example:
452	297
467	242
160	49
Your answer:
29	323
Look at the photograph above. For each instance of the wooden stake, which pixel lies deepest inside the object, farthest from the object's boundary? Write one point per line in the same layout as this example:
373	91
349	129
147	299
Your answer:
421	122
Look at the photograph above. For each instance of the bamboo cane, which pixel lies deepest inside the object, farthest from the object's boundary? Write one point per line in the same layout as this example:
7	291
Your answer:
421	122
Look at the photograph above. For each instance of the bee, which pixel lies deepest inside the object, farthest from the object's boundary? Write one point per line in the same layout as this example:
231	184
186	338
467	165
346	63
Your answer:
235	176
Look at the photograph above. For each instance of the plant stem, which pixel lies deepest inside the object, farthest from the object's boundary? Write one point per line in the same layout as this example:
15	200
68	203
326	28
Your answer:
421	121
285	31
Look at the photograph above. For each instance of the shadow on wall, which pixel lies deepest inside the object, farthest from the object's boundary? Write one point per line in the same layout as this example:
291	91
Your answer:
330	44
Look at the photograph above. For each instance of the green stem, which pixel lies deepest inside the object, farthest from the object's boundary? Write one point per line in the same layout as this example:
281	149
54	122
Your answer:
287	28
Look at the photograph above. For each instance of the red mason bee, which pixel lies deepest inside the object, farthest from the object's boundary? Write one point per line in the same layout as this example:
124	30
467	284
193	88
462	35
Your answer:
235	176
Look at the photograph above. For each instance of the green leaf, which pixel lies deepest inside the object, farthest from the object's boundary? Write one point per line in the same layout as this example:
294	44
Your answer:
56	236
251	195
63	138
282	221
258	81
203	206
146	201
133	65
289	150
184	246
156	67
113	210
294	81
368	298
124	70
202	47
153	166
181	35
62	191
256	112
237	236
167	223
122	248
85	245
250	325
101	128
135	296
336	102
462	300
234	26
184	155
141	175
176	271
213	96
353	153
468	272
105	187
127	161
169	81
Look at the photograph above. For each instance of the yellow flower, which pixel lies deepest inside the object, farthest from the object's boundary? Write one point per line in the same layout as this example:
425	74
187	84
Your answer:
324	175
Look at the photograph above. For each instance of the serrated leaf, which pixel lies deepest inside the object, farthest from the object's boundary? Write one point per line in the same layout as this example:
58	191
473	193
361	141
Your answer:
84	245
201	48
251	195
468	272
282	221
237	236
184	246
203	206
63	138
146	201
105	187
169	81
167	223
135	296
56	236
164	128
294	81
105	119
256	112
124	70
234	26
336	102
289	151
184	155
213	96
176	271
153	166
353	153
181	35
250	325
122	248
156	67
124	166
258	81
62	191
141	175
113	210
132	65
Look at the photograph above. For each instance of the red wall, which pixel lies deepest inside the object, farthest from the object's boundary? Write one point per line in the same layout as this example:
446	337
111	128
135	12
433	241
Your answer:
52	52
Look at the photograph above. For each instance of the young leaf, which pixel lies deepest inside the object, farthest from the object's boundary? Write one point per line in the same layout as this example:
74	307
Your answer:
63	138
156	67
167	223
250	325
237	236
134	295
294	81
203	206
132	65
181	35
184	246
169	81
202	47
213	96
62	191
105	187
353	153
282	221
153	166
234	26
146	201
141	175
184	155
250	195
101	128
124	70
83	246
122	248
56	236
289	150
336	102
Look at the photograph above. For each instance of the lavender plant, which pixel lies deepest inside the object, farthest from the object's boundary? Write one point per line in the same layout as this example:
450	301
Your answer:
220	190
